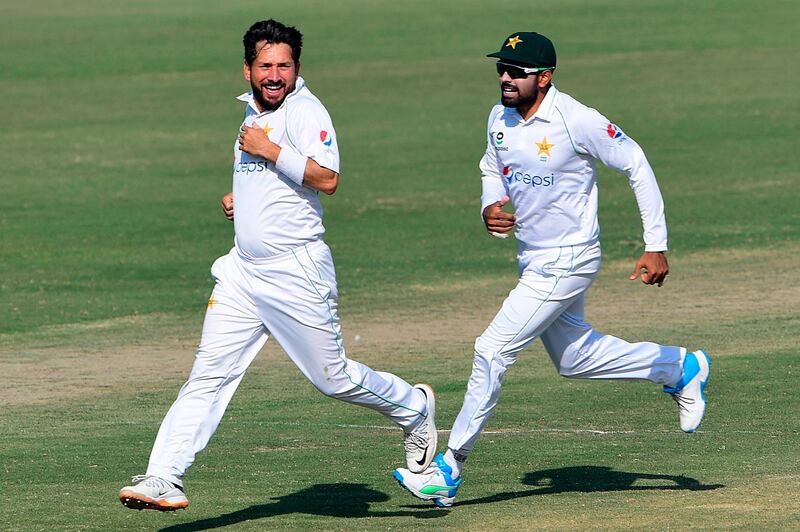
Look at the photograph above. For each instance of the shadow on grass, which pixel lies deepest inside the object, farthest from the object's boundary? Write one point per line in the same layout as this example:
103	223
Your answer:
329	500
593	478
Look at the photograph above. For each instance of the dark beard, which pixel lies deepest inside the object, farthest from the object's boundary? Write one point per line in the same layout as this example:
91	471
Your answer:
263	104
516	100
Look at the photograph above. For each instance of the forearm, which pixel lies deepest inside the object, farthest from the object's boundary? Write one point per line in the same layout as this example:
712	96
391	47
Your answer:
306	171
320	178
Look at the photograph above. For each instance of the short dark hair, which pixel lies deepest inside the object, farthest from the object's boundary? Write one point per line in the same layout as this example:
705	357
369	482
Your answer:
272	32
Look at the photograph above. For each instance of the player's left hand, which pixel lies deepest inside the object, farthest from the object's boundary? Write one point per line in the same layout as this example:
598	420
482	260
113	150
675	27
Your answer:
652	266
227	205
254	140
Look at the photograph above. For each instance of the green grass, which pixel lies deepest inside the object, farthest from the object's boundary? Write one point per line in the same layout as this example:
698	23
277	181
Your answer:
603	455
118	121
118	126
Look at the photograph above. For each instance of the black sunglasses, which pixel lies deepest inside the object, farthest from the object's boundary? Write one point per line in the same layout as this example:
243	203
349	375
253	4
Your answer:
518	72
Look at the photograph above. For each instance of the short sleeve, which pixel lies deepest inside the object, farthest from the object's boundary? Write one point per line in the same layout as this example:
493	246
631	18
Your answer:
310	132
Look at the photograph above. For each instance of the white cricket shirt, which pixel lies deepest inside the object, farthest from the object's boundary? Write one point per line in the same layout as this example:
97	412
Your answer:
546	165
273	214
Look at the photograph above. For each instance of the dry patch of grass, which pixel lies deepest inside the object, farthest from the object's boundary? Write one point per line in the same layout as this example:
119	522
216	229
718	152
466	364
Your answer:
705	290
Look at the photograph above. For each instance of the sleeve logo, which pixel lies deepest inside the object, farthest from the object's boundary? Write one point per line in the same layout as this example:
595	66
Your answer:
325	138
613	131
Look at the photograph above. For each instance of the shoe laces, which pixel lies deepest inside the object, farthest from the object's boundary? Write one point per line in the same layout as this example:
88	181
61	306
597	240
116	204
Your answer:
683	402
414	440
153	482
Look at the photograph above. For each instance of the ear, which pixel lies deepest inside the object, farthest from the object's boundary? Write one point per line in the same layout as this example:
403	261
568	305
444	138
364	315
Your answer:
297	70
246	71
545	78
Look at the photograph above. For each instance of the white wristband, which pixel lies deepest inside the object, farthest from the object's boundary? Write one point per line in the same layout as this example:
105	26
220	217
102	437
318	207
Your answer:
292	165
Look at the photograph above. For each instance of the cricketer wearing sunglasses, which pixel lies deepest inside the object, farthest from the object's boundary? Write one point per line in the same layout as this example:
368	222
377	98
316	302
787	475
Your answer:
541	150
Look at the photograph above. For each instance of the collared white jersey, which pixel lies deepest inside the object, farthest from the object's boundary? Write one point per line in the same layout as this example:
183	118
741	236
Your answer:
546	165
273	214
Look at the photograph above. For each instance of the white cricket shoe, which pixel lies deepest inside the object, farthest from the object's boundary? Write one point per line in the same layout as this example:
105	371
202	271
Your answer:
420	442
689	392
434	484
153	493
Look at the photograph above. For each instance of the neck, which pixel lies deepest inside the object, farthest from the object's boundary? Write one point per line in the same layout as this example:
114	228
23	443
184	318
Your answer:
527	110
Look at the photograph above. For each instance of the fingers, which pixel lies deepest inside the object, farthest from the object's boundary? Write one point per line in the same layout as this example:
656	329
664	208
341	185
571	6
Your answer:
658	278
641	270
243	131
227	205
650	273
498	221
499	229
636	270
646	276
497	212
499	224
502	219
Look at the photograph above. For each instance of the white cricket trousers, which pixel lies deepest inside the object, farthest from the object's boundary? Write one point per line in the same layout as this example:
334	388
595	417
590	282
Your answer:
548	303
293	297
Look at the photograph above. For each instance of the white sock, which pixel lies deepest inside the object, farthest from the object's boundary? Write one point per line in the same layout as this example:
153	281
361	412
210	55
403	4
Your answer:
450	459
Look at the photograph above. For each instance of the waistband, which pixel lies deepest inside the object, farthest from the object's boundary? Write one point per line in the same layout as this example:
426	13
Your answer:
280	256
525	247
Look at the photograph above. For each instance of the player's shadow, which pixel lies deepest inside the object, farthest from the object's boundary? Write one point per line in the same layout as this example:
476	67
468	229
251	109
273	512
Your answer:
328	500
593	478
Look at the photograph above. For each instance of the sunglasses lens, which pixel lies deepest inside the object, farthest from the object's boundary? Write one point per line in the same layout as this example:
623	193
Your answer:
513	72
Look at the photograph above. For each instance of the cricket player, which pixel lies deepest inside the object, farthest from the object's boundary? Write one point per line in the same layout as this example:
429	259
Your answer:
541	148
278	280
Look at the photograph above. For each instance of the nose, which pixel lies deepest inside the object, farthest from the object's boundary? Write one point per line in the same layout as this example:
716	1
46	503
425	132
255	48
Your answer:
273	74
504	77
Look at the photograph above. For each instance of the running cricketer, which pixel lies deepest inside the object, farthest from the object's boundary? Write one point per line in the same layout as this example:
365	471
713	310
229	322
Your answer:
541	148
277	280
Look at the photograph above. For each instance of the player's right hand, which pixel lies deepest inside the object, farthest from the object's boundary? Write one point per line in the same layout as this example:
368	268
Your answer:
496	219
227	205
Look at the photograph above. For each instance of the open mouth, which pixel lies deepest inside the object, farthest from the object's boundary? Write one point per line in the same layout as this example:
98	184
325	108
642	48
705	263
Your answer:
273	89
508	89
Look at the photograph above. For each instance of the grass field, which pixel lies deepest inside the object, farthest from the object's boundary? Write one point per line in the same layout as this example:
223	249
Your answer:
117	126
